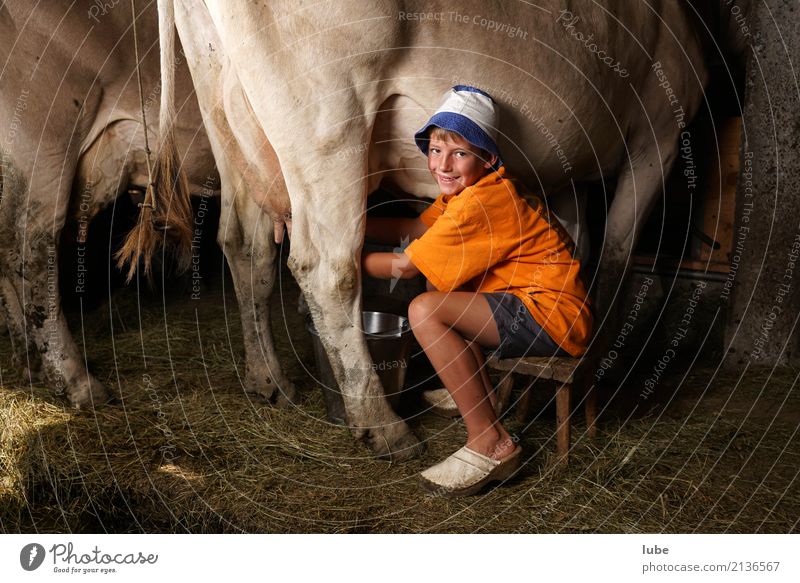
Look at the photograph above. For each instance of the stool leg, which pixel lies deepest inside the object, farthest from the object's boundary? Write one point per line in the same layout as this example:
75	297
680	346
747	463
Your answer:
563	398
503	394
591	412
524	405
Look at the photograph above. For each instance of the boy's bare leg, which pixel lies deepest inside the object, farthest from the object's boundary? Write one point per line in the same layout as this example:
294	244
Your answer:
444	325
480	358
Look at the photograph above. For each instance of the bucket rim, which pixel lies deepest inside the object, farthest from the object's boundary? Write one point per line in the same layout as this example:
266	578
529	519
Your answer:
399	332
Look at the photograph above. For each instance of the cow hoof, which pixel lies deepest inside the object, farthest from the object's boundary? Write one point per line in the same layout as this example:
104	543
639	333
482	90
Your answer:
280	393
86	392
394	442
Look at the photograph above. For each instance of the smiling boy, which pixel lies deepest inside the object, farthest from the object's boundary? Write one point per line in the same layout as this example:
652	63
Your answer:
504	274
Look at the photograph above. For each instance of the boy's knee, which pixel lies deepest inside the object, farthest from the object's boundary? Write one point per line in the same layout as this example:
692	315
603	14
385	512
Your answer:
422	308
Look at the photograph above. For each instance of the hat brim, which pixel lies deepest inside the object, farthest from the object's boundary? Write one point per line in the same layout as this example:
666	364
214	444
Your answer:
464	127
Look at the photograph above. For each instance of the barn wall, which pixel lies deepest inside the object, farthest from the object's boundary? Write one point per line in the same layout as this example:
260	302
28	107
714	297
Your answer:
764	281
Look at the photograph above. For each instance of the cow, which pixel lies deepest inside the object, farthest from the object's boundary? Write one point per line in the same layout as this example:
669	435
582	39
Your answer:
73	116
587	90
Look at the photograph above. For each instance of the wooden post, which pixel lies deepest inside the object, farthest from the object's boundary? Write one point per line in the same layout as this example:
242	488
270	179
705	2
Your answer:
563	398
503	394
524	405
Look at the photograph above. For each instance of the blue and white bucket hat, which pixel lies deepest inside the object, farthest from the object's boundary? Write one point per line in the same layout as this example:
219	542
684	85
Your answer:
469	112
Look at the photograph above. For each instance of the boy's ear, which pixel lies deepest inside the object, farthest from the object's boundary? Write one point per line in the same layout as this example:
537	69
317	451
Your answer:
491	160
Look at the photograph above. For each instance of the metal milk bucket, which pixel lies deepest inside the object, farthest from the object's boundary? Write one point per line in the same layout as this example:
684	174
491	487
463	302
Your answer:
388	339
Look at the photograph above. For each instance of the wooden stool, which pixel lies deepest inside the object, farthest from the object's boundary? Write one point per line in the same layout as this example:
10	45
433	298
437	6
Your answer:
560	370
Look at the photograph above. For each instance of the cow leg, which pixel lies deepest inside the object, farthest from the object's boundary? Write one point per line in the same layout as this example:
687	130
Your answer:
569	207
251	186
31	227
12	192
327	235
638	189
245	235
46	326
22	358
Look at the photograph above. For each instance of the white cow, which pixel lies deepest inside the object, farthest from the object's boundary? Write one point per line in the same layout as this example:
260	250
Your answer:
587	90
73	142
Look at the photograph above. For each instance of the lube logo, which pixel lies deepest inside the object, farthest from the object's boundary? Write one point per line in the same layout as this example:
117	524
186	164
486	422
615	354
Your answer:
31	556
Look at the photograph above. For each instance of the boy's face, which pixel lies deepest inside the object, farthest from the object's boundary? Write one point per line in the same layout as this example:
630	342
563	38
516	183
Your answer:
456	164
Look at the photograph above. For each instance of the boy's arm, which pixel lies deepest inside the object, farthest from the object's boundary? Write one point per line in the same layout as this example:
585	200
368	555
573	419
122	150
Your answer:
389	266
392	231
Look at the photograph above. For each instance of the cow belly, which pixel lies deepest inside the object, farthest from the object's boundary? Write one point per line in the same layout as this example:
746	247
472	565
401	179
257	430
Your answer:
393	155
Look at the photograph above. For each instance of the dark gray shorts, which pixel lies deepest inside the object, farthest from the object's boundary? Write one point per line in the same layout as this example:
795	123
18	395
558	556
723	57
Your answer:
520	334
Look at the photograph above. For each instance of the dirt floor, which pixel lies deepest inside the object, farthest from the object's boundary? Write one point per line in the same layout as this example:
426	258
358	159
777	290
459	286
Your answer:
707	451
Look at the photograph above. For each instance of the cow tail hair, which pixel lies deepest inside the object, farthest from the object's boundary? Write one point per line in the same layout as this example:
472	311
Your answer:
170	222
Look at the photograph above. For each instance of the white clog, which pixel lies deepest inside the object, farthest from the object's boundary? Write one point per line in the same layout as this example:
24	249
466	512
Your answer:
466	471
441	403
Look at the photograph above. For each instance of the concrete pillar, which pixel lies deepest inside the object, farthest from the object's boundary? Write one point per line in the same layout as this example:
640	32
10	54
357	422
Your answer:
763	286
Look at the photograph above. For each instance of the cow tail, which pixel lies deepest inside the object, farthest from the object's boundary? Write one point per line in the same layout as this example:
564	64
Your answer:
166	215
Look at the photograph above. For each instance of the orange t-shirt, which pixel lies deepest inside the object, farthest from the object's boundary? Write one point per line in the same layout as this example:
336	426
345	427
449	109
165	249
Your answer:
489	239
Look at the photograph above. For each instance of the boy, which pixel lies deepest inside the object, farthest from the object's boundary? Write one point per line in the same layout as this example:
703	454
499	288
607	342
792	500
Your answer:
504	274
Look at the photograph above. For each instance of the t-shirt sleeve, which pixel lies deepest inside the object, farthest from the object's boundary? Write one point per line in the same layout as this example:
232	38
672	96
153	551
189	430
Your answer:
457	248
433	212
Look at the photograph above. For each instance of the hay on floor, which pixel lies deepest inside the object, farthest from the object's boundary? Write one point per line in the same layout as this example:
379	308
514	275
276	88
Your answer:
195	453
